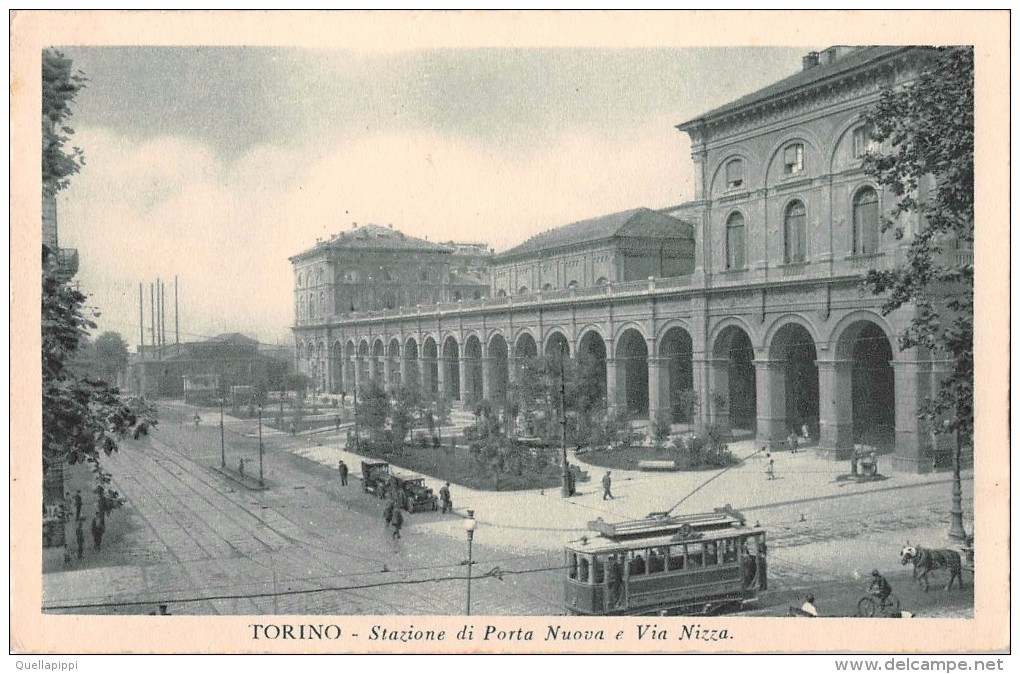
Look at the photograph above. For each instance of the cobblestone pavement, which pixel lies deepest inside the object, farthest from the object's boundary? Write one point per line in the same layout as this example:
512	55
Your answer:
208	545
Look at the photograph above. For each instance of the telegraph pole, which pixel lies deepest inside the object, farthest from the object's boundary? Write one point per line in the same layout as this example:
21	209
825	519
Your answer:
177	319
563	428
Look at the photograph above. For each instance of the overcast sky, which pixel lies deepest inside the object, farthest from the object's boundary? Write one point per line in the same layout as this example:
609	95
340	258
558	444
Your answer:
218	163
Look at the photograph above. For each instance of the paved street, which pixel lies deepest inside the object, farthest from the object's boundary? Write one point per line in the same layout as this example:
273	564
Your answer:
207	544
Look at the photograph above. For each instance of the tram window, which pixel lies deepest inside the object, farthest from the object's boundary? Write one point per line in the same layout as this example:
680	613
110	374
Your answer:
695	555
572	565
729	550
711	554
598	568
676	557
750	546
656	560
637	564
582	569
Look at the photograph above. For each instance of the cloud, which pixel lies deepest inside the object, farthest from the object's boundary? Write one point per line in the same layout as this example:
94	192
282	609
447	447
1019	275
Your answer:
169	206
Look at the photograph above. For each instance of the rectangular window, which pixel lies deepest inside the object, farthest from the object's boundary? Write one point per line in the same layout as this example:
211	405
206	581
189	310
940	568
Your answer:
734	174
793	159
863	143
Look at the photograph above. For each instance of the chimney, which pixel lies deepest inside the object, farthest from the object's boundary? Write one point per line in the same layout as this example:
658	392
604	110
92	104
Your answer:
354	225
811	60
391	225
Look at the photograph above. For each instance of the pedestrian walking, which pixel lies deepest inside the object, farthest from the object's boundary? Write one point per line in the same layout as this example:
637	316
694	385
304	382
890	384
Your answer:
607	484
388	513
794	442
770	467
198	419
397	520
77	505
342	467
293	428
445	498
79	535
98	528
337	421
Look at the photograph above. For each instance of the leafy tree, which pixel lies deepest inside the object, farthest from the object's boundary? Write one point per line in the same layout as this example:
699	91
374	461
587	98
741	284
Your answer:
82	418
109	355
373	408
927	162
60	86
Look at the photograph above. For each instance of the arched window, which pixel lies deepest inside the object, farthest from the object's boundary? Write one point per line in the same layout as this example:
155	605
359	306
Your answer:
795	238
863	142
572	284
735	241
793	158
477	295
301	308
322	302
602	280
865	222
300	280
734	174
523	290
547	287
501	293
311	306
456	295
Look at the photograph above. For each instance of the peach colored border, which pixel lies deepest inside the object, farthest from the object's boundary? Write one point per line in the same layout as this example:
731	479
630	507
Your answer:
987	30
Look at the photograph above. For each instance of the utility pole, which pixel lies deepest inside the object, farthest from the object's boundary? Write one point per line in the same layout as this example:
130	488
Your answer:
563	428
223	444
261	481
177	319
357	436
152	313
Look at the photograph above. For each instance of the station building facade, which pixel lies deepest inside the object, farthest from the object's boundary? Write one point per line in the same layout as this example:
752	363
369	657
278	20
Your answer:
748	296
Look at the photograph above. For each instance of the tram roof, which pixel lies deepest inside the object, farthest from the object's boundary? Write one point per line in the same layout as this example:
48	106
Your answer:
601	544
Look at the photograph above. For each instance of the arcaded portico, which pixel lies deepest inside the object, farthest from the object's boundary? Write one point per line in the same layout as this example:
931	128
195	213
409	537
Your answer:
741	308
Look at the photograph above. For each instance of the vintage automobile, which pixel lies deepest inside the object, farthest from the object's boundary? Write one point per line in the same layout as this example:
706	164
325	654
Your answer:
375	477
413	496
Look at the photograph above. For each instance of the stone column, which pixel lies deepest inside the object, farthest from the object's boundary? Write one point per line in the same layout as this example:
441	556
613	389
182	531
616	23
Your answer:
658	386
441	376
612	404
387	373
487	375
770	386
718	387
701	367
462	372
911	381
511	366
404	371
356	361
835	408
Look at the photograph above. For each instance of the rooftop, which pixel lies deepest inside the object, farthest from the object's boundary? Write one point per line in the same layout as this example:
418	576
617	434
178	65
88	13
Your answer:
636	223
373	237
818	66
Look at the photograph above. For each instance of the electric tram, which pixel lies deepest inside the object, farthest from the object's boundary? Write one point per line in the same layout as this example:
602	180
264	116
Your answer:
703	563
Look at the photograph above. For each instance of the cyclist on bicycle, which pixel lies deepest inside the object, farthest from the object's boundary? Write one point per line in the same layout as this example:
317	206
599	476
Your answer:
880	586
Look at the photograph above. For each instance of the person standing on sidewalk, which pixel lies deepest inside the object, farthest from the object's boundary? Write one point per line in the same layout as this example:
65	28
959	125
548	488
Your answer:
607	484
79	535
337	421
388	513
77	505
445	498
98	528
342	467
770	466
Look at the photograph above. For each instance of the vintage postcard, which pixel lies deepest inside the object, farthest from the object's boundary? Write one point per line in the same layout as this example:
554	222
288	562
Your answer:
510	332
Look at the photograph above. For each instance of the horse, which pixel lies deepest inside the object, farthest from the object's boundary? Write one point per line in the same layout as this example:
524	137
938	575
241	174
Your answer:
927	559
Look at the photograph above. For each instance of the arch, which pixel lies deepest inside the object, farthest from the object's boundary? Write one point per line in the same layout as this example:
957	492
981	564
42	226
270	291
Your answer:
393	362
591	362
865	218
590	328
430	374
718	181
801	135
473	376
525	345
785	320
500	293
793	379
601	281
499	367
523	290
733	388
451	368
336	367
872	410
630	325
730	321
556	343
736	240
794	232
842	134
572	284
677	347
632	371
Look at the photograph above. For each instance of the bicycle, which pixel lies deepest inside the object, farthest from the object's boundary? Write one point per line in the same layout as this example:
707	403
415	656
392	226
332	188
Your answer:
871	605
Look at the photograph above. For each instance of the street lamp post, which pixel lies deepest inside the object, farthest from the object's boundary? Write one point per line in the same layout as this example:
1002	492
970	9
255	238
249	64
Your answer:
223	444
956	529
261	481
469	526
565	491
